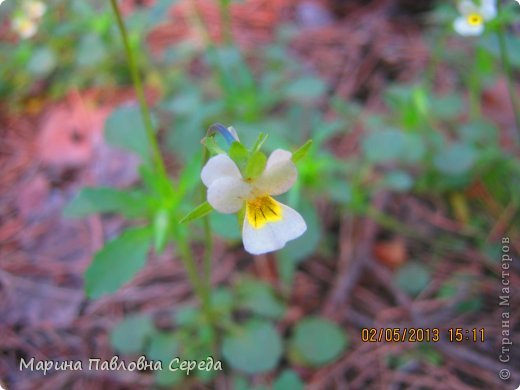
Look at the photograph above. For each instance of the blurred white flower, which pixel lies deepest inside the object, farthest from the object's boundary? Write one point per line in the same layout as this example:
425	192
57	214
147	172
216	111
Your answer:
24	27
25	22
268	224
34	9
472	18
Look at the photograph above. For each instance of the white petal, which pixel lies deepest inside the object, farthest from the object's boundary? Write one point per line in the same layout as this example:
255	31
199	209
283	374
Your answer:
279	174
488	9
34	9
233	132
464	28
25	27
273	235
218	167
467	7
228	194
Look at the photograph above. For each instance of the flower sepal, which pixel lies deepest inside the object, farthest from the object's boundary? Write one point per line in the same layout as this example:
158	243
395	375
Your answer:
239	154
200	211
255	165
211	144
302	151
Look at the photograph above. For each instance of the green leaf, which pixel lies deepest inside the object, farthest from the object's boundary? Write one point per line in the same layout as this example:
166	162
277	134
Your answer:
324	131
316	341
413	149
383	146
259	142
256	347
91	50
464	285
198	212
239	154
288	380
259	298
430	355
187	316
88	201
117	262
255	165
446	107
302	151
479	132
185	134
412	278
222	302
42	63
306	89
161	230
455	159
398	181
168	378
129	335
164	346
125	128
185	103
420	99
339	191
490	43
188	180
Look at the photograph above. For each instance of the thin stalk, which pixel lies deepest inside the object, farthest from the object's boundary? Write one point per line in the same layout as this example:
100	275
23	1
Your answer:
198	21
504	56
186	254
225	20
203	291
474	91
145	112
208	240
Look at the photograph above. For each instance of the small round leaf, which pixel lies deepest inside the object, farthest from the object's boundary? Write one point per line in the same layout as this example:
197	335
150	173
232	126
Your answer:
129	335
456	159
317	341
382	146
255	348
412	278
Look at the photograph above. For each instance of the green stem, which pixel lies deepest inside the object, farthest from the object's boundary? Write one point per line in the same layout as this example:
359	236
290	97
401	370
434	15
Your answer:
201	290
474	91
225	20
145	112
509	76
208	241
186	254
198	21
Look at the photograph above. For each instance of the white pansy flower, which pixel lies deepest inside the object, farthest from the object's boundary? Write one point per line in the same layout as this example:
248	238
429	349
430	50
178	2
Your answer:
268	224
472	18
34	9
24	27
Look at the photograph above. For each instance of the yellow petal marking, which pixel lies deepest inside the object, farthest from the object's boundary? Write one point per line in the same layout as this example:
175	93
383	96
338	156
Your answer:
474	19
262	210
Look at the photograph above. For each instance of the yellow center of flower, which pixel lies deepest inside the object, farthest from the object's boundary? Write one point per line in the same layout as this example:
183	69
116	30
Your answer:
261	210
475	19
